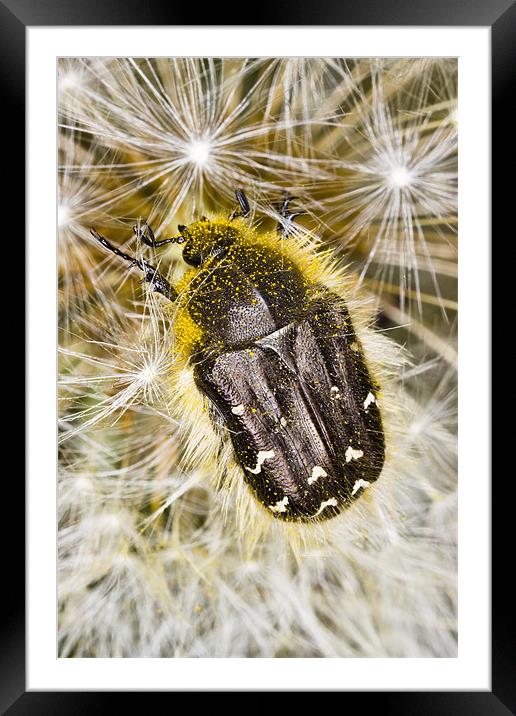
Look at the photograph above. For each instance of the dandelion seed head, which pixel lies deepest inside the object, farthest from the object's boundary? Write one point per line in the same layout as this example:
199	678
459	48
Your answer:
64	215
148	374
108	523
198	152
71	80
83	485
399	177
415	427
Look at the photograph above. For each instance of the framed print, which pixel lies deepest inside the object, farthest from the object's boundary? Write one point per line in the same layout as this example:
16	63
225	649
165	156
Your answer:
258	310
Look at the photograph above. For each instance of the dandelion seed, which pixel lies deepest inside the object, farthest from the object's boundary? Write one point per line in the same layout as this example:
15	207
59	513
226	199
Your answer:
397	185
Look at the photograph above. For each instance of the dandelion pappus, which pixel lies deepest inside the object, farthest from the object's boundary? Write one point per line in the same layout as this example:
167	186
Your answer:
276	358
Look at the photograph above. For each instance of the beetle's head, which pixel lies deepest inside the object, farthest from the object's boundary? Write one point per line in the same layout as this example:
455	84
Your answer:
204	239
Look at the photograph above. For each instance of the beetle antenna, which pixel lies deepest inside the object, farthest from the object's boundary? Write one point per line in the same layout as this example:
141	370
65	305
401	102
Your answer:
287	217
151	274
145	234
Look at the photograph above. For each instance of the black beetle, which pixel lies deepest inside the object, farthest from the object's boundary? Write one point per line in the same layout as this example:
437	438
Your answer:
275	353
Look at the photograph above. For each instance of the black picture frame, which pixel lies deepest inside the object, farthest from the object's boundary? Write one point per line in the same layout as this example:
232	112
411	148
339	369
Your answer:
15	17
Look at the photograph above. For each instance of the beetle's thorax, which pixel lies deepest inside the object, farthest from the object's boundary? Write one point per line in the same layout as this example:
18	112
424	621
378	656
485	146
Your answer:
242	291
245	293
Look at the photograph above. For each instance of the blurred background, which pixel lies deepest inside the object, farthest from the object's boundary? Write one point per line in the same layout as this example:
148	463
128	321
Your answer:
368	148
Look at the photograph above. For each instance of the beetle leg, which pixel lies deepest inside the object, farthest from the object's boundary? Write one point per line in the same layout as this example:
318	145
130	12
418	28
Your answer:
145	234
245	209
287	217
151	274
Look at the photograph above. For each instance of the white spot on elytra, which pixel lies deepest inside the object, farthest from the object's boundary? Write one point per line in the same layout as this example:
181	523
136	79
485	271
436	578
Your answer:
335	392
280	506
358	484
352	454
262	456
370	399
238	410
317	472
332	502
283	422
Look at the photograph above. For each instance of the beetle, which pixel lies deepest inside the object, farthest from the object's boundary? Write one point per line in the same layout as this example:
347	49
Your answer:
276	357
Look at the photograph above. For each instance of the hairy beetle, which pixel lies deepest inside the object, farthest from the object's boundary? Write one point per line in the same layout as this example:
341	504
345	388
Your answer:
275	354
